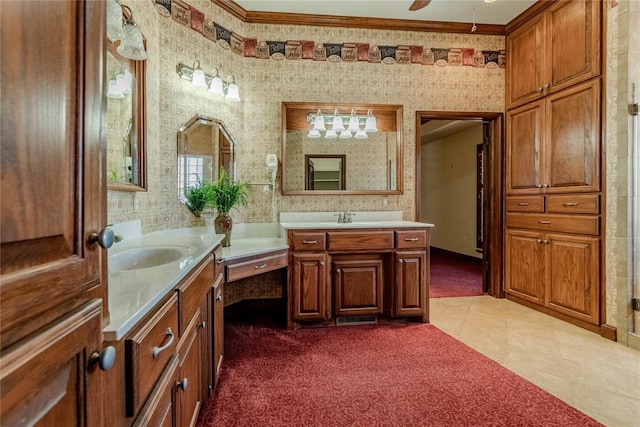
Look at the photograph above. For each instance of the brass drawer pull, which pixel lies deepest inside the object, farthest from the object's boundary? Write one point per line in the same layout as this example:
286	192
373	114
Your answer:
309	242
411	239
260	266
523	203
570	204
544	222
158	350
220	260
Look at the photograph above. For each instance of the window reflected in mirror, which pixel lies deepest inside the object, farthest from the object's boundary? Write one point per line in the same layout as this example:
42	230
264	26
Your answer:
314	159
126	121
204	147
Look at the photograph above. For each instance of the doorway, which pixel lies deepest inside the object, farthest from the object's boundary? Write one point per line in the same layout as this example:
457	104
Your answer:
482	235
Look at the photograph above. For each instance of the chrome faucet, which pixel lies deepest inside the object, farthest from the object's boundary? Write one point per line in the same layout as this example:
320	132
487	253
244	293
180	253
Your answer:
347	217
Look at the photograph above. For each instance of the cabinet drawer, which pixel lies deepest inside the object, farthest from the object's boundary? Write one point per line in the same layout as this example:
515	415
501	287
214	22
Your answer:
525	204
160	409
574	203
147	352
360	240
411	239
308	241
562	223
256	266
192	290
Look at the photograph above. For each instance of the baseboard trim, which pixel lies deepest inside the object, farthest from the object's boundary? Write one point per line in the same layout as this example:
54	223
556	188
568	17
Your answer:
609	332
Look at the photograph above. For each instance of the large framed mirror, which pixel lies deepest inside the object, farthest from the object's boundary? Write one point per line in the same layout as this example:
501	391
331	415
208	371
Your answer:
126	122
315	158
204	147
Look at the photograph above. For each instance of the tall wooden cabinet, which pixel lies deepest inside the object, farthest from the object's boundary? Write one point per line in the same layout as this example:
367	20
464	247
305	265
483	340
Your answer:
52	280
553	162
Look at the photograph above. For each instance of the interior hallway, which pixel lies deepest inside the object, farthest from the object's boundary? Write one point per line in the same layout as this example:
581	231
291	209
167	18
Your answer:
599	377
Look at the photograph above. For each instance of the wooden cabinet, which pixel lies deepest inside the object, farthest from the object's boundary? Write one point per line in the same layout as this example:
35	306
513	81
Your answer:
188	386
411	294
309	291
358	284
555	50
357	272
218	329
557	271
160	409
553	145
52	280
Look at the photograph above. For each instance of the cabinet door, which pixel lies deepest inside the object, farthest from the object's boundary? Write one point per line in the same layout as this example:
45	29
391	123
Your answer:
48	380
160	408
572	143
524	264
411	292
309	287
188	387
358	285
52	176
525	63
523	153
218	331
573	39
573	281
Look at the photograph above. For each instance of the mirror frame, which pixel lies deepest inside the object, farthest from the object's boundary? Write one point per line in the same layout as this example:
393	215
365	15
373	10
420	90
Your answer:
139	121
209	121
390	116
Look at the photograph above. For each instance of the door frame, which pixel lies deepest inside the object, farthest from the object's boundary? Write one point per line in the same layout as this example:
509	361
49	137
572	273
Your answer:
493	244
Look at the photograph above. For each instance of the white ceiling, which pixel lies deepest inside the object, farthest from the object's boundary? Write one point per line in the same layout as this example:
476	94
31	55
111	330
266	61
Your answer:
499	12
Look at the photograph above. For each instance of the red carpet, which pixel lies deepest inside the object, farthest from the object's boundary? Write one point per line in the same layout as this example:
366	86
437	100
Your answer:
396	374
453	275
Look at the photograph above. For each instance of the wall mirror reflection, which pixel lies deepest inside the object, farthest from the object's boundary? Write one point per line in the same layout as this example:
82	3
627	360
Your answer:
204	147
126	122
319	139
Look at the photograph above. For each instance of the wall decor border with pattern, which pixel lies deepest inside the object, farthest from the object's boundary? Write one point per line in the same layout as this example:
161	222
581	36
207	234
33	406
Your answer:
193	18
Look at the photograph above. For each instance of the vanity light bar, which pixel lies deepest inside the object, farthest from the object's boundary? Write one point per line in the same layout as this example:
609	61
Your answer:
328	119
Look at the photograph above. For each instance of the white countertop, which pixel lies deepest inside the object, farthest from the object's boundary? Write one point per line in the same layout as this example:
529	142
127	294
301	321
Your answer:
133	293
249	246
354	224
364	219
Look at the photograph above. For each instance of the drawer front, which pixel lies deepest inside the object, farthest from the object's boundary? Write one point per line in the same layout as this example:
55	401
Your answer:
147	352
160	408
525	204
308	241
256	266
411	239
360	240
192	290
561	223
578	203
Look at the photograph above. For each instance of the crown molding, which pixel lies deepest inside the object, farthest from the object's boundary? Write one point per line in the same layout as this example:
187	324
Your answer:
355	22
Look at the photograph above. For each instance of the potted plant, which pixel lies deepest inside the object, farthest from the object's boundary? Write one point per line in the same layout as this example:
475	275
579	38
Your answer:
223	195
197	197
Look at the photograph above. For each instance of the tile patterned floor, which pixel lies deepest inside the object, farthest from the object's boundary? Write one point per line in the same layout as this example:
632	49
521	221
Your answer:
597	376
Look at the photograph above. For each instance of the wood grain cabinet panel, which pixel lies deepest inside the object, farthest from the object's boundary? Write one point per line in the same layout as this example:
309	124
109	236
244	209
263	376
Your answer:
412	289
360	240
148	351
188	386
554	50
573	203
525	204
358	284
160	408
192	291
573	276
310	293
525	262
580	224
218	331
308	241
256	265
407	239
523	150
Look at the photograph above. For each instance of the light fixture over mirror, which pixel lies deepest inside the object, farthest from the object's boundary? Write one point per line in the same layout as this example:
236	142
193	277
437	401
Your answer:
367	137
121	27
213	83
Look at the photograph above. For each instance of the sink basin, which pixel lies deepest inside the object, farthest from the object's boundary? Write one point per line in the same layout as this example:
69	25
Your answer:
146	257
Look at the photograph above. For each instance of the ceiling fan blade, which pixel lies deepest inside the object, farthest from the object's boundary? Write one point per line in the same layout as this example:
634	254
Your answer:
419	4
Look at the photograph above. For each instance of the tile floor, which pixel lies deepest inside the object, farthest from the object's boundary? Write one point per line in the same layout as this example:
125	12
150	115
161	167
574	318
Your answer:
597	376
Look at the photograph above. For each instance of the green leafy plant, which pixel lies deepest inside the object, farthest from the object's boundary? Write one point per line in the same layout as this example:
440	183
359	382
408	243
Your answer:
226	194
197	197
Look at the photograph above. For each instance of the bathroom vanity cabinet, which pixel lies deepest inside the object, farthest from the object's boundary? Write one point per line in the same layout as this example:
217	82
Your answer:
338	275
170	359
